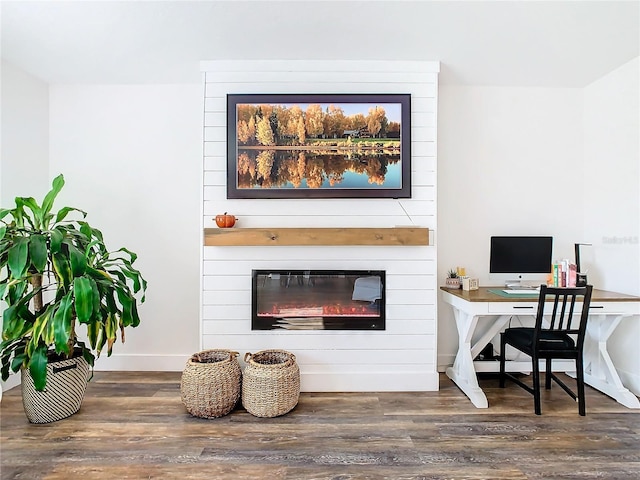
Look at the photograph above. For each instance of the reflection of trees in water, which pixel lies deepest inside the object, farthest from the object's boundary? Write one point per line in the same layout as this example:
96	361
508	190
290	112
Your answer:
246	171
314	173
335	166
284	168
376	171
265	161
302	164
289	170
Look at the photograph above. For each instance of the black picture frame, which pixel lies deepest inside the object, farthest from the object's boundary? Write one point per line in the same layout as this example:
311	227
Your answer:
280	146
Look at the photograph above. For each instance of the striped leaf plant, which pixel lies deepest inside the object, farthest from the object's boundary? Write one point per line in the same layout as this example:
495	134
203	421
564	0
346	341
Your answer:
57	275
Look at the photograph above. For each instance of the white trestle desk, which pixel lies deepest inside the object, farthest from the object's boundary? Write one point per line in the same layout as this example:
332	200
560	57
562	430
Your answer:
495	311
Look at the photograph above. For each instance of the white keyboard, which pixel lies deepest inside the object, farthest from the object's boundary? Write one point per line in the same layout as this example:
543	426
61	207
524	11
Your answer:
528	291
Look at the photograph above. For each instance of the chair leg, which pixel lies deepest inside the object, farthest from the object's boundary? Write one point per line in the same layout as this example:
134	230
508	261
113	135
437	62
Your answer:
547	380
582	410
502	360
536	385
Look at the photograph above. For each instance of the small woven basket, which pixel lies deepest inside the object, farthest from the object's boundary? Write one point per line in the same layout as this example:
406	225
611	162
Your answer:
270	383
211	382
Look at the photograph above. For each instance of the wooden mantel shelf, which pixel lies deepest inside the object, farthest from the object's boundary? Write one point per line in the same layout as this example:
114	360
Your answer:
315	236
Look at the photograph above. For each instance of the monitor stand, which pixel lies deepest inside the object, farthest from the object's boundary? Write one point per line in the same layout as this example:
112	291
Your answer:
518	285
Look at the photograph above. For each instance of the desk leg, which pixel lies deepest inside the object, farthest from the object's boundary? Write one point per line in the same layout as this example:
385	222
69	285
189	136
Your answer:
599	371
463	372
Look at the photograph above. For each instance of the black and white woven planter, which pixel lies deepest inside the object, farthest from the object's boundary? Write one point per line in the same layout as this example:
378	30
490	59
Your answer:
63	394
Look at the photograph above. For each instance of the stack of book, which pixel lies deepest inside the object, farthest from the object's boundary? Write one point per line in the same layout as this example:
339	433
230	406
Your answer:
563	274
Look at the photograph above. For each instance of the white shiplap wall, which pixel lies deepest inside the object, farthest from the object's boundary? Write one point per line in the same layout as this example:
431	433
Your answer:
403	357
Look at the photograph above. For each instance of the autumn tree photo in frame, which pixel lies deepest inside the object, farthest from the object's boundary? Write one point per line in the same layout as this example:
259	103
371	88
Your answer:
318	146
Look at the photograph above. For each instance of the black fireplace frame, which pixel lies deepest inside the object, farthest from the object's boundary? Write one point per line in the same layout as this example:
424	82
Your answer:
341	322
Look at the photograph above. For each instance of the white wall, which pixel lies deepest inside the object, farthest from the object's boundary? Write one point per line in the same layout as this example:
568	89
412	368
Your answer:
105	138
403	357
132	158
509	159
521	145
24	151
612	200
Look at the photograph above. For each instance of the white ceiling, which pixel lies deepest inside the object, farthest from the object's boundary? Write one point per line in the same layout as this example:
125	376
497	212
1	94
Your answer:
502	43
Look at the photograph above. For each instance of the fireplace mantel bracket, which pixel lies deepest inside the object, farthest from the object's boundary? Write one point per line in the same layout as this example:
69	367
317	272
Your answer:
398	236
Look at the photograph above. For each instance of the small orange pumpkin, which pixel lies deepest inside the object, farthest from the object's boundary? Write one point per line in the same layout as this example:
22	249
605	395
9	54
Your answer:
225	221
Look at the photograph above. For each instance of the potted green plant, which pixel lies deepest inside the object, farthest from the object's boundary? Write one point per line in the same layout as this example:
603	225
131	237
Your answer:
57	277
452	280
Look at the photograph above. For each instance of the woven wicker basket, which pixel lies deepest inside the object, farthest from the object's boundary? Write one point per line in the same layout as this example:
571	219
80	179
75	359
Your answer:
270	383
63	394
210	384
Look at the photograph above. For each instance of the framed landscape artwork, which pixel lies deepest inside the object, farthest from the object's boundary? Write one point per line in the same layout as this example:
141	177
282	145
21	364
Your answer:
318	146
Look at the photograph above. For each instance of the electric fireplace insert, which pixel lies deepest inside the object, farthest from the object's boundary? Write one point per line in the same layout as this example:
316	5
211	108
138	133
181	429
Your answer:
318	300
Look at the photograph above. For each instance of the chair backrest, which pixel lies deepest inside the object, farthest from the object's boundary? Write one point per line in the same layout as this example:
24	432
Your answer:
556	311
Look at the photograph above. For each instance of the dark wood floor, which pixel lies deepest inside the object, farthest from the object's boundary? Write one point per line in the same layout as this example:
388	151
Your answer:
133	425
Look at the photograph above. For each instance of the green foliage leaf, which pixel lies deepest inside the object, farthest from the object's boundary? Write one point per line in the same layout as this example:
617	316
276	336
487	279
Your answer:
17	319
93	334
48	331
85	229
77	261
96	298
63	212
83	295
62	324
126	301
40	326
134	314
38	251
56	240
4	212
99	275
18	361
18	214
47	203
132	256
16	291
97	234
110	332
9	326
21	202
18	255
38	367
36	220
63	269
3	231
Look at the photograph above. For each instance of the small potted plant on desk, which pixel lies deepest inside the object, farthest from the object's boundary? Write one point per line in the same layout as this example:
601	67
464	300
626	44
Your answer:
452	280
56	275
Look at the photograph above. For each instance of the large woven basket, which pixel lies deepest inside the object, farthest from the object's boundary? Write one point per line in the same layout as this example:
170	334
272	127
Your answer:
270	383
63	393
211	382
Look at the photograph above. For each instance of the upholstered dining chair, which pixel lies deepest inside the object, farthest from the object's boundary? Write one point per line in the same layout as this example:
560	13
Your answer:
559	332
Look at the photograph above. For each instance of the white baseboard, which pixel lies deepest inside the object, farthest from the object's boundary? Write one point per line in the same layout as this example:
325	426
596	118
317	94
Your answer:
445	361
142	363
424	381
309	381
369	382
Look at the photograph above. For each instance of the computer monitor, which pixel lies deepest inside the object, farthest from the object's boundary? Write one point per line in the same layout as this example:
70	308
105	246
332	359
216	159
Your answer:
520	261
